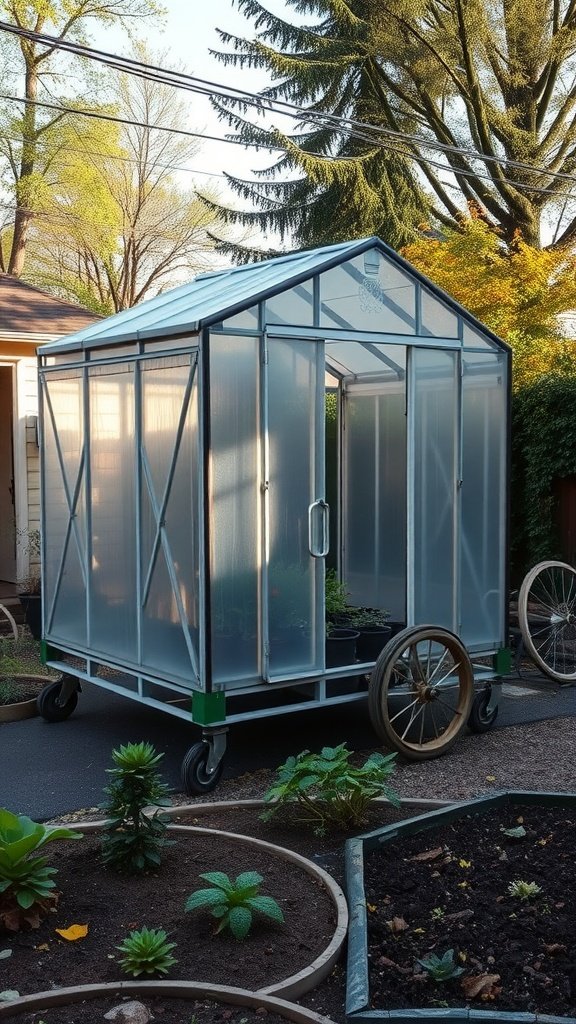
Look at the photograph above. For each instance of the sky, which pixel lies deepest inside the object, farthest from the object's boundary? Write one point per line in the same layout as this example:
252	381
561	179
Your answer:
188	33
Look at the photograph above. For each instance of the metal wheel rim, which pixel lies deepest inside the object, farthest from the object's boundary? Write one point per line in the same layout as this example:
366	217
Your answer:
547	617
440	672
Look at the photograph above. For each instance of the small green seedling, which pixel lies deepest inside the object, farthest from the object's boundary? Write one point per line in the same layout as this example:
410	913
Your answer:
514	833
437	913
146	952
234	903
441	968
524	890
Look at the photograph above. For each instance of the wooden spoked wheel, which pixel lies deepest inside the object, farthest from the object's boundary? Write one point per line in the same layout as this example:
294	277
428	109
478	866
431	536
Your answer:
547	618
421	692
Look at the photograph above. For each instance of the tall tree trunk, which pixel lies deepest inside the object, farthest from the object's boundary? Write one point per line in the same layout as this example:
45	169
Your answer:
23	216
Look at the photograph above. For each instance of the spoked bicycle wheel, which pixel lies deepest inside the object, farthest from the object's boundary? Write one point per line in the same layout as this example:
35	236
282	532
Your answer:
547	618
421	692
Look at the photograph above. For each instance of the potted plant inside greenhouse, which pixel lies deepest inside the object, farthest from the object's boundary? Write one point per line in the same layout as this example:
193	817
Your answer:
374	631
341	634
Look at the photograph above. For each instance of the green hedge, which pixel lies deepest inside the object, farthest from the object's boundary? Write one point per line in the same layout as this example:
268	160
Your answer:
543	448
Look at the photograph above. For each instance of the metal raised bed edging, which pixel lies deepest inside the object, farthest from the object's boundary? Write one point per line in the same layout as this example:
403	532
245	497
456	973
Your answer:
357	982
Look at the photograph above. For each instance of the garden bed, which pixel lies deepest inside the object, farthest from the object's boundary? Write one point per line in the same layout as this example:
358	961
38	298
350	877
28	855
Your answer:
112	905
443	882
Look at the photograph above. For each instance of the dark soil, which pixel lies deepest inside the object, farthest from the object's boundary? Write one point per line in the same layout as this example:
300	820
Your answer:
99	898
113	905
447	889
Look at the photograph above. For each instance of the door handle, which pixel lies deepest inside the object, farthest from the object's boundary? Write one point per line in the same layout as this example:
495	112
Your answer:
319	528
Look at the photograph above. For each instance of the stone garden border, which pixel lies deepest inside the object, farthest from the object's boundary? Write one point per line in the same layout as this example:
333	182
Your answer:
357	980
166	989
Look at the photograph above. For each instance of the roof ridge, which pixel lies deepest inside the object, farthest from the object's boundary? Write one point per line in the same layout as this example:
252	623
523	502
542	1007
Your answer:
12	279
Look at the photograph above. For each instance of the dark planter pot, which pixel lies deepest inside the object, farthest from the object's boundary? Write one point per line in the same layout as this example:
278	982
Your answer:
371	641
395	627
32	608
341	647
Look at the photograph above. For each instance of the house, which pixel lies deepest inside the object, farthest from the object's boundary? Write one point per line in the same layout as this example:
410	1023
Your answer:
29	317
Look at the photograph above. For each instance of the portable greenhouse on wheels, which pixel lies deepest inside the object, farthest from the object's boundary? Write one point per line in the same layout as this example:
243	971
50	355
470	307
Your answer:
186	456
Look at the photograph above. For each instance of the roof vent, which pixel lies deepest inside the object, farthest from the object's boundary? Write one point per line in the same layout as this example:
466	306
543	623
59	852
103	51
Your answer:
372	262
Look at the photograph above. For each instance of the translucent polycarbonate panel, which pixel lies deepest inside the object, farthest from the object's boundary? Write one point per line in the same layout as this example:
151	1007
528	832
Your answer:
234	503
482	554
64	497
473	339
164	343
359	358
374	522
246	320
110	351
437	320
368	293
113	509
169	516
295	444
435	400
295	306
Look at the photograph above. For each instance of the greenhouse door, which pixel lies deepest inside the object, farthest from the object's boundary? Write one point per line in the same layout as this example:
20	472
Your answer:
294	512
435	403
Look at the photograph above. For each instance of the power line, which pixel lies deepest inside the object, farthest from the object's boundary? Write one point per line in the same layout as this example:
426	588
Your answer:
209	88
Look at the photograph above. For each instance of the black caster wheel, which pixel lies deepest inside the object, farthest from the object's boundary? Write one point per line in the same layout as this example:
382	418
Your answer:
48	703
195	777
479	719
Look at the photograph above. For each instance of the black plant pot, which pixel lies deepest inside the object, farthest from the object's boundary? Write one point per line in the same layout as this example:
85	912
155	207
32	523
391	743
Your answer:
32	607
371	641
341	647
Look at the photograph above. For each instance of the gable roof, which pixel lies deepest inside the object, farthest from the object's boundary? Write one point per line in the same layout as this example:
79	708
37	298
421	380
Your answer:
215	296
28	310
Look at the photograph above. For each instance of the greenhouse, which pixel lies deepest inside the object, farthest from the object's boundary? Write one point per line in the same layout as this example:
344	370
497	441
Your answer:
210	455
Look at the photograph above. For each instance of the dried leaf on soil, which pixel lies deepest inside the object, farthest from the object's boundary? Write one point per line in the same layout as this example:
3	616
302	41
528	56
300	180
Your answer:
397	924
428	854
481	986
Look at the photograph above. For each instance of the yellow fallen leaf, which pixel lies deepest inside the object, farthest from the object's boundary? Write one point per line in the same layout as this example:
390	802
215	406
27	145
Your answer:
465	863
74	932
490	778
371	907
463	956
419	931
462	885
43	947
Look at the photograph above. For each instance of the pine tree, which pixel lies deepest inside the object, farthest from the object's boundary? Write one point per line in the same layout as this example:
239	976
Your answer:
489	76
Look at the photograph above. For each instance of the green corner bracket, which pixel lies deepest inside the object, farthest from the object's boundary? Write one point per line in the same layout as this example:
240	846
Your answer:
48	653
208	708
502	661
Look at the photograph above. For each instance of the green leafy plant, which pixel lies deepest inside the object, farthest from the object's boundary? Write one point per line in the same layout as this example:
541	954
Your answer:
328	791
26	881
441	968
234	903
369	618
335	594
146	951
133	838
524	890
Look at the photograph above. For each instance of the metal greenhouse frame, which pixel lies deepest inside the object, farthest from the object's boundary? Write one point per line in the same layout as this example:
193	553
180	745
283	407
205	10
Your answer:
186	456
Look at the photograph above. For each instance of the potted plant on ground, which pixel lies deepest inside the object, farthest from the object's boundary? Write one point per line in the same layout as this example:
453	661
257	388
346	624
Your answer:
30	585
19	684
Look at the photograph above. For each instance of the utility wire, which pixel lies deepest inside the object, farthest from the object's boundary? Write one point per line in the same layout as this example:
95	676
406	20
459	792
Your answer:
210	88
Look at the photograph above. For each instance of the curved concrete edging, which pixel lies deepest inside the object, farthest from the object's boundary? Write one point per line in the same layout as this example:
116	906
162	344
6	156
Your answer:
171	989
309	977
23	709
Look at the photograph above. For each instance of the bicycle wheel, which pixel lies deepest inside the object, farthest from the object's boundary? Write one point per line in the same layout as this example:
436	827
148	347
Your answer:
547	618
421	692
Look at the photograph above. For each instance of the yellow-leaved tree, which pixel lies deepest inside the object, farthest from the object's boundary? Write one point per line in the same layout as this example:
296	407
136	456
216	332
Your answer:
518	291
